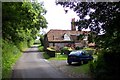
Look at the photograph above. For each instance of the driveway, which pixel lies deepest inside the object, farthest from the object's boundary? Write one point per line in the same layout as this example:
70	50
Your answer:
33	65
70	69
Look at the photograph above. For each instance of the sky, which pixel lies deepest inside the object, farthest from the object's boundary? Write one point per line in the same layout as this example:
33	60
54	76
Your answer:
56	16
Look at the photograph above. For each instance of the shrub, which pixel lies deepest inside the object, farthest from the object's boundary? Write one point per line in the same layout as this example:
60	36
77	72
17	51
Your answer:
37	42
46	56
21	45
66	50
63	49
10	53
107	66
41	48
90	50
30	42
77	48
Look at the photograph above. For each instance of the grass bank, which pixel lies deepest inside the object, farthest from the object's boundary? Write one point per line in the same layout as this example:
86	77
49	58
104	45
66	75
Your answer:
11	52
40	48
58	56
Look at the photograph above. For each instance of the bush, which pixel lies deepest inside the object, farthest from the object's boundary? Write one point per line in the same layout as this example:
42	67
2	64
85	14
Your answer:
10	53
46	56
66	50
77	48
90	50
37	42
21	45
30	42
41	48
107	66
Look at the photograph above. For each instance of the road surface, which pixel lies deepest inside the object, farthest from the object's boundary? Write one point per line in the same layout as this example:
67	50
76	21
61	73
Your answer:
33	65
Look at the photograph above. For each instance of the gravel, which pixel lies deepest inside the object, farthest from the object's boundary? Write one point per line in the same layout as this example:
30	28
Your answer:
68	69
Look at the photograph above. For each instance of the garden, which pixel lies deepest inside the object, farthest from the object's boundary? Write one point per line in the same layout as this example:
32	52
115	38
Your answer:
51	53
61	57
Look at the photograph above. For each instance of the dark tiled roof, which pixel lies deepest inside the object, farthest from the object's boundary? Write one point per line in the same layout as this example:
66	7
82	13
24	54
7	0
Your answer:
57	35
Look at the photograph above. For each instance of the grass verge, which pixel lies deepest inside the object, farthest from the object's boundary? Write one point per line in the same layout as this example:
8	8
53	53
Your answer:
46	56
10	54
41	48
58	56
84	69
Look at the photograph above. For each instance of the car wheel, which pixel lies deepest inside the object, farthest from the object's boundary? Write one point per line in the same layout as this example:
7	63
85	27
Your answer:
79	63
85	62
69	63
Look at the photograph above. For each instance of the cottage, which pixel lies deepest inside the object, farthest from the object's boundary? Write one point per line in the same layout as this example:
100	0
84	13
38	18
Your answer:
60	38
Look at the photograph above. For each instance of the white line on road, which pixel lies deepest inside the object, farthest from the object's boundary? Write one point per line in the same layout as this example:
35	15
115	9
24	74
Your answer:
46	60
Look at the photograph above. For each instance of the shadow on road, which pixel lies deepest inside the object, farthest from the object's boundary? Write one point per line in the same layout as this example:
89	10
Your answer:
30	51
33	46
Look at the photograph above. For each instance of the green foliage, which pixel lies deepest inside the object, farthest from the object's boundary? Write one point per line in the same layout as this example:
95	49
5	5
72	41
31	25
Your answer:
42	39
22	20
37	42
21	23
41	48
91	37
30	42
98	67
106	64
104	16
81	37
10	53
22	45
65	50
0	57
78	48
90	50
46	56
58	56
82	69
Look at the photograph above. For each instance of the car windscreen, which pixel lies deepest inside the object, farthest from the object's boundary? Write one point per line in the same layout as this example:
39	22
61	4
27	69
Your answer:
85	53
76	53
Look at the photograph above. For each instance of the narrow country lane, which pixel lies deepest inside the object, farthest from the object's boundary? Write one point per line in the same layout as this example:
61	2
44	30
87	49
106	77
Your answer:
33	65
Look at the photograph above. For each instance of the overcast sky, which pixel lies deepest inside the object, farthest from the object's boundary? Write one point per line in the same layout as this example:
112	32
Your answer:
56	17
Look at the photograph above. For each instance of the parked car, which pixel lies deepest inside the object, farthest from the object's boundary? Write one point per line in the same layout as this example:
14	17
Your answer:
79	56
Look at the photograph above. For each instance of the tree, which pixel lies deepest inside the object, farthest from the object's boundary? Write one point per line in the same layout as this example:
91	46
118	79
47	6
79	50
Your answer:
104	16
22	20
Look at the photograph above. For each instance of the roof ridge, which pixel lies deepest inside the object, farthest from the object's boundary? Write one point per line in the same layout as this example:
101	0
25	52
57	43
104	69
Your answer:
61	30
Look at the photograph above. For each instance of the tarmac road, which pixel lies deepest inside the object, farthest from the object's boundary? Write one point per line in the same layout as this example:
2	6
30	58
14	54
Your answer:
33	65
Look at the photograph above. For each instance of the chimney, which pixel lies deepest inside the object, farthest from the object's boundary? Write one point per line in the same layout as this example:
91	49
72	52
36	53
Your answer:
73	28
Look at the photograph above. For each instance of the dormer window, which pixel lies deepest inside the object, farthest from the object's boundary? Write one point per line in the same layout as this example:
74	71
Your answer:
66	37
